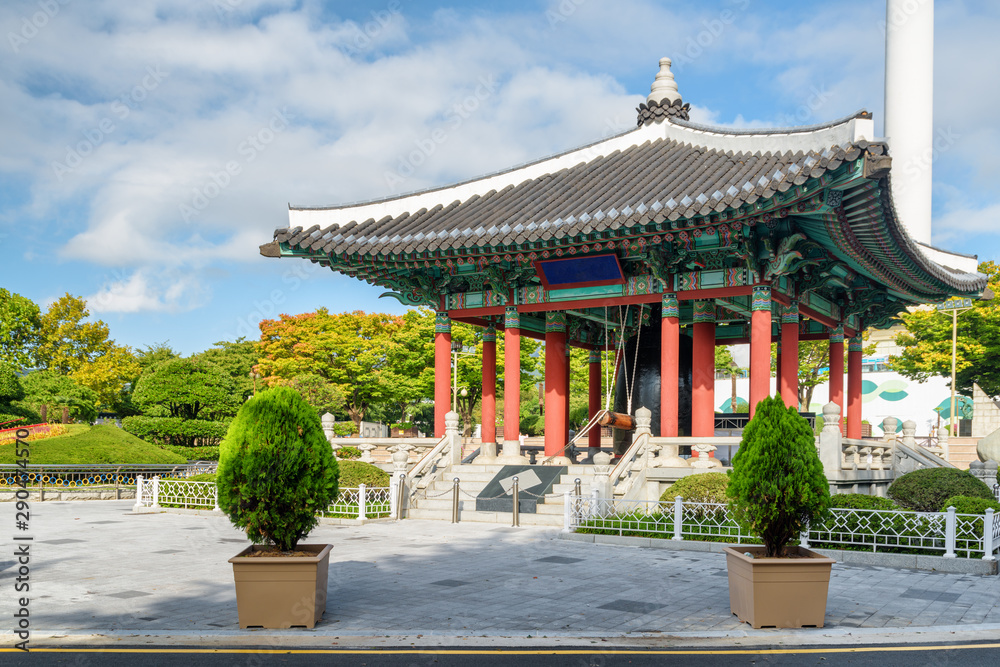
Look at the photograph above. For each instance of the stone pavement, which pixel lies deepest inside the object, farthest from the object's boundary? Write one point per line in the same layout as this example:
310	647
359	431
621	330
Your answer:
96	569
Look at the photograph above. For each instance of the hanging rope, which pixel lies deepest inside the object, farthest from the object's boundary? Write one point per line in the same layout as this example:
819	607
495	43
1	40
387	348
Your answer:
635	361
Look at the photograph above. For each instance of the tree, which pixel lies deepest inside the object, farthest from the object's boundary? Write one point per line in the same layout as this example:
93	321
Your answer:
186	388
316	391
777	483
276	469
155	353
66	341
20	321
185	402
108	376
238	359
47	391
349	350
926	344
13	413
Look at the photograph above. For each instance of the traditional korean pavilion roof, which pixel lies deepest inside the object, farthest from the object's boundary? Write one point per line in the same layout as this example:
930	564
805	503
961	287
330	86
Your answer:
807	209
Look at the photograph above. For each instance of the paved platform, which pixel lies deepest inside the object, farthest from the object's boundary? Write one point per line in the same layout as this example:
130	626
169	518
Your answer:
100	574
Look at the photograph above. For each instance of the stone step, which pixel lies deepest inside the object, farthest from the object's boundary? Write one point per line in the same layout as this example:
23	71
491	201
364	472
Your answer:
502	518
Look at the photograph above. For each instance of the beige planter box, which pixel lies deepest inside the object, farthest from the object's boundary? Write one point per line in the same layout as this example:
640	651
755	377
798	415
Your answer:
778	592
281	592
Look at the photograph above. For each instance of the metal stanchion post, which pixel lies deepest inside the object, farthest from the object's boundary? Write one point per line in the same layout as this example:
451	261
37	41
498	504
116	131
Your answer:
454	502
517	508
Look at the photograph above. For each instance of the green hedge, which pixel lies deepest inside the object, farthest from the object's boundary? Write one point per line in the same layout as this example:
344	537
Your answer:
348	453
860	501
175	431
194	453
925	490
98	444
353	473
706	487
969	505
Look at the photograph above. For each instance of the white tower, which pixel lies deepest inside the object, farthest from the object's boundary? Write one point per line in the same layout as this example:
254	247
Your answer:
909	115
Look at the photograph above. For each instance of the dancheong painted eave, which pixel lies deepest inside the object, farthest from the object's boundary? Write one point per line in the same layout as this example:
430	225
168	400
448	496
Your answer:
806	210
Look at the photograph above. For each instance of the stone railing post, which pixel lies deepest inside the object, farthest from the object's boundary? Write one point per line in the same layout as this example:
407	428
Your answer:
400	458
602	471
909	433
889	425
366	452
454	439
831	452
328	421
397	491
943	443
362	502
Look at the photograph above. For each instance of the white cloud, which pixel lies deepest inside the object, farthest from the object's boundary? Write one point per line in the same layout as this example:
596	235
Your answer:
168	292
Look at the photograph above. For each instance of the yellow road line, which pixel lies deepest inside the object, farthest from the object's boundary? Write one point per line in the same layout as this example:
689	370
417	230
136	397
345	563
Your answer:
746	651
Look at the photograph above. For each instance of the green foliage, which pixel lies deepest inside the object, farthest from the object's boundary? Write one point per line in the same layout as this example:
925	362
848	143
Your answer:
322	395
55	390
20	321
194	453
926	344
186	388
777	485
237	360
10	386
344	429
860	501
96	444
176	431
17	415
925	490
203	477
970	505
65	340
276	469
707	487
348	453
353	473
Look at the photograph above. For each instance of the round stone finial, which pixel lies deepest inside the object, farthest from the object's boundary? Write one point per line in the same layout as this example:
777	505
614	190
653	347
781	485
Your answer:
664	86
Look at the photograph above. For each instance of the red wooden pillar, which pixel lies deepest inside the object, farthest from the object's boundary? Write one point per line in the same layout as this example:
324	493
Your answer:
703	370
789	377
489	430
555	378
568	373
837	367
760	346
594	396
854	387
670	349
442	371
511	374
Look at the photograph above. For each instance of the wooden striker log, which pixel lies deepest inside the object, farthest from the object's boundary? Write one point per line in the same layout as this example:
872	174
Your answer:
617	420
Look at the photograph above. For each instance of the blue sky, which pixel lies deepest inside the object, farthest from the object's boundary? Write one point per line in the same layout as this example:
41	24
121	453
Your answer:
147	148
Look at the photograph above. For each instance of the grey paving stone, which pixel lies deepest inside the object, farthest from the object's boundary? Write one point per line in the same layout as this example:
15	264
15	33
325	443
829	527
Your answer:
632	606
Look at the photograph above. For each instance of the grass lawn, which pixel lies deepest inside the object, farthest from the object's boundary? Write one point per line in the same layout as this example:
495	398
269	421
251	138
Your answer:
93	444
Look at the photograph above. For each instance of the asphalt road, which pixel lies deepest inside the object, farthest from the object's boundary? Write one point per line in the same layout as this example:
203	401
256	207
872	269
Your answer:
967	655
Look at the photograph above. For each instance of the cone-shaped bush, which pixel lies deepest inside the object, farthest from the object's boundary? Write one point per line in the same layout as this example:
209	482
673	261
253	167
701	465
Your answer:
276	469
777	485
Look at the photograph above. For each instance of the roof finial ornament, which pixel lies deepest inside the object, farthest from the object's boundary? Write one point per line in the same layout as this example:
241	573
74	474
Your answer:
664	86
663	100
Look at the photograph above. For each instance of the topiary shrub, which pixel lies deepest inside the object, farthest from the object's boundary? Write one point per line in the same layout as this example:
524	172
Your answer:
970	505
353	473
777	485
276	469
707	487
348	453
926	489
859	501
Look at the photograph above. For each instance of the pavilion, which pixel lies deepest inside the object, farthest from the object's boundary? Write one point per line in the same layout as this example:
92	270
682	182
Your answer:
780	234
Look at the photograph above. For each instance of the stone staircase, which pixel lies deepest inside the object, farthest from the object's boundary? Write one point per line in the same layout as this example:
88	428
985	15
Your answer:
435	502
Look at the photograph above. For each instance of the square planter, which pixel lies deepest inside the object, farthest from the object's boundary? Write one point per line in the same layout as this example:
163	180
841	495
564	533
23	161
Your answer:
778	592
281	592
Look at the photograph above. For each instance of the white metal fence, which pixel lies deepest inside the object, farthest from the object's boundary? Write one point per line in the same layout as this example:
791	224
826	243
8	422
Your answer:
355	503
944	533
